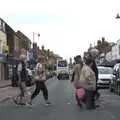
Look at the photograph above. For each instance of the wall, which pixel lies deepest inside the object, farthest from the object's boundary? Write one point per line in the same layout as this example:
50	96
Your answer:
3	41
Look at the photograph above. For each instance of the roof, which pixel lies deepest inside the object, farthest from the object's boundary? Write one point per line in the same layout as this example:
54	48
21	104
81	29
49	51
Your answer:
21	35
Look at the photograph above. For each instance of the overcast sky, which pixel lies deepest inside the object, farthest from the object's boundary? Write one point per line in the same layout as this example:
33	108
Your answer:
66	26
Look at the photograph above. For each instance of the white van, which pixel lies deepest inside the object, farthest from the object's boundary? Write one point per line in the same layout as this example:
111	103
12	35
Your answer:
62	69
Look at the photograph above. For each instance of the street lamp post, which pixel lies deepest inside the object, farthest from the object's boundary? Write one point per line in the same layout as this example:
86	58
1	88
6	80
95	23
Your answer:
38	34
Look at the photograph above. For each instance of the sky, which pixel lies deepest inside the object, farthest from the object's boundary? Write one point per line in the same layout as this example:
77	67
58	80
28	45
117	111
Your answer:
66	26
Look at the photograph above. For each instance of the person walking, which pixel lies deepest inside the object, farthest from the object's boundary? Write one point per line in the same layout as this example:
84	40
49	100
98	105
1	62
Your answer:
95	69
76	76
88	82
77	68
22	76
40	78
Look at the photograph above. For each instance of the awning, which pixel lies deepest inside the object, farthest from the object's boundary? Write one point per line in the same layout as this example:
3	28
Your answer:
12	60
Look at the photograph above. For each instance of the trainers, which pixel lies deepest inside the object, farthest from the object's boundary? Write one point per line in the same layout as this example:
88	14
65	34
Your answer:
15	101
29	104
48	102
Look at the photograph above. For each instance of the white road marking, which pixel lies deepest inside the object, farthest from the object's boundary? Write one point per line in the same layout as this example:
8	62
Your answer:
109	113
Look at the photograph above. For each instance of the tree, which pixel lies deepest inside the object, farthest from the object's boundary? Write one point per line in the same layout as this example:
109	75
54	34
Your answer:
103	46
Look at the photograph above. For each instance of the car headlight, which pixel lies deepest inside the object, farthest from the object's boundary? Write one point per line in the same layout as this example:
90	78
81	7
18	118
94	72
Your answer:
114	76
118	80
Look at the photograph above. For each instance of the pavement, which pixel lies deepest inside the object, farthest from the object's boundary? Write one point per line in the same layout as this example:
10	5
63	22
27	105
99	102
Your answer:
5	83
64	107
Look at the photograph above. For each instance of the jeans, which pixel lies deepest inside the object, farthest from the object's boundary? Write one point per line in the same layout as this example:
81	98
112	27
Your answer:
40	86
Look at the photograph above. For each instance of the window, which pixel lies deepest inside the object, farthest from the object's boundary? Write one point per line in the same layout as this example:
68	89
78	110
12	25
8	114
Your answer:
2	26
16	42
105	70
62	64
119	49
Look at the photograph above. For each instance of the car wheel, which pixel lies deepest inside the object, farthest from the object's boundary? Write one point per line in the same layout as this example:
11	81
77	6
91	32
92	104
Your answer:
115	89
118	89
110	88
68	77
59	77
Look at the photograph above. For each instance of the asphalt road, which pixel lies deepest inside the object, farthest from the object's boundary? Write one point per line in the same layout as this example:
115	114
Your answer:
61	94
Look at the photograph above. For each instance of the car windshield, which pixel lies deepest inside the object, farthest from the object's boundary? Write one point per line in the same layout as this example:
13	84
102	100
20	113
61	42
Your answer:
62	63
105	70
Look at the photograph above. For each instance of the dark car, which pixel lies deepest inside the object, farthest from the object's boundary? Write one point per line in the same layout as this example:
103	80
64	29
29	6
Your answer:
114	85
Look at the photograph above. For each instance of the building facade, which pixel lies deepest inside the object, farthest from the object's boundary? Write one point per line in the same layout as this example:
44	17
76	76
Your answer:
3	50
115	52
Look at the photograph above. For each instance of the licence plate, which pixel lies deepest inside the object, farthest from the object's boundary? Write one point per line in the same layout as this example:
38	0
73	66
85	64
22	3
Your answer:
106	82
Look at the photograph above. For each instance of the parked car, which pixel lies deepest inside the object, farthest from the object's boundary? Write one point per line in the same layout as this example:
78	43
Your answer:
104	77
114	85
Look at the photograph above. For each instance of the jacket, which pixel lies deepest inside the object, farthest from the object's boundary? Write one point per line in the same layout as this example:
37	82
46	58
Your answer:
77	72
87	79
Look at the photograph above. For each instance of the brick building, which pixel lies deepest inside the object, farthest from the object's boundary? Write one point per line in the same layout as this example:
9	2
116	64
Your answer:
11	42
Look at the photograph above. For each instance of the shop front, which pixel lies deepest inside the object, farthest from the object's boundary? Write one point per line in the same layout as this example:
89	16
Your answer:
11	62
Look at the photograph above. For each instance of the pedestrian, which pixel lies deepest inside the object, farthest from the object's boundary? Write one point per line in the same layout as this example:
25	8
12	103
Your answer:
95	69
77	67
88	82
40	78
14	76
22	76
76	75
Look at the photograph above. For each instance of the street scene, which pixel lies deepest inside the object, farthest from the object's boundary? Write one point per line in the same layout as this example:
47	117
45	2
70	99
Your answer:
60	60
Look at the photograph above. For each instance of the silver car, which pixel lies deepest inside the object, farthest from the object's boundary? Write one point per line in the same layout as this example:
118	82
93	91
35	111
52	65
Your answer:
105	76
